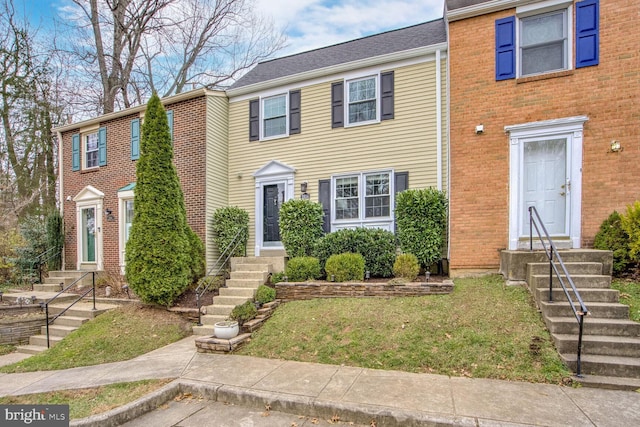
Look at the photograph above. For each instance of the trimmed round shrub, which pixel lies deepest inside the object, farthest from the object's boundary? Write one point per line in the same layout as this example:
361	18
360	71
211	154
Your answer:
265	294
345	267
421	217
227	222
301	269
378	247
612	237
244	312
406	266
300	223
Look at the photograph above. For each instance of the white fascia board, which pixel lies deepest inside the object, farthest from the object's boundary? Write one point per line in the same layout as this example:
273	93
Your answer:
138	109
484	8
336	69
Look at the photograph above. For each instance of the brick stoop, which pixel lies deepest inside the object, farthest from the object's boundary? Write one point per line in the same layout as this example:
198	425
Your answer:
610	343
247	273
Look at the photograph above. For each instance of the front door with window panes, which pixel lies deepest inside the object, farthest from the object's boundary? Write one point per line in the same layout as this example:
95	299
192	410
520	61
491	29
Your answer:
88	249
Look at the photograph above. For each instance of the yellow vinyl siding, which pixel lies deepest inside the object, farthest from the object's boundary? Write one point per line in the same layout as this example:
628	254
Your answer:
217	178
405	143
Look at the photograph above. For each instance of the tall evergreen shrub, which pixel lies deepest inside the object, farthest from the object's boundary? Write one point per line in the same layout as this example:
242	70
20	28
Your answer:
300	226
158	253
631	225
612	237
55	239
421	217
227	222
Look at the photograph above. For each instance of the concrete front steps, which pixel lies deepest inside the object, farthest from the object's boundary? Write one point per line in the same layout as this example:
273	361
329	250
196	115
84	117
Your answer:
247	273
58	280
610	343
71	320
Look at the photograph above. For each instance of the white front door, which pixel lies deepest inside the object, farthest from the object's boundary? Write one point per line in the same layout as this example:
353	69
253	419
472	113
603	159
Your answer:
545	171
544	184
89	208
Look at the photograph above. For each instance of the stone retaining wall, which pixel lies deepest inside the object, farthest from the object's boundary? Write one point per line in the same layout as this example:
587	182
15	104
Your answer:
289	291
17	330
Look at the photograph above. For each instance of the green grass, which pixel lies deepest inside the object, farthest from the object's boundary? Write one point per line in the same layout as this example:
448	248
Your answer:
630	295
85	402
117	335
483	329
6	349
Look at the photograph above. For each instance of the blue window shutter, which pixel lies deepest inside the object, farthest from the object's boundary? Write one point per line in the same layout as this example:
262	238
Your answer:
102	146
587	33
75	152
135	139
506	48
170	121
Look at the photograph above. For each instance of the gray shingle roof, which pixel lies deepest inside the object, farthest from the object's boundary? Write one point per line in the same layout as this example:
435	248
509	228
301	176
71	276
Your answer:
416	36
458	4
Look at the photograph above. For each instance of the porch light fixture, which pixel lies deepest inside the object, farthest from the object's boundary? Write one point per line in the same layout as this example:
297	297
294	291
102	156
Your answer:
615	146
69	198
108	211
303	187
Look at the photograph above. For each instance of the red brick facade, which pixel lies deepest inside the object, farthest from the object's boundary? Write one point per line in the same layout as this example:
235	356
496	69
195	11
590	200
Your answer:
189	118
608	94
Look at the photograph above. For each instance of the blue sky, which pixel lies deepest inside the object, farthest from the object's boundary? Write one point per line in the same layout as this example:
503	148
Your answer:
309	24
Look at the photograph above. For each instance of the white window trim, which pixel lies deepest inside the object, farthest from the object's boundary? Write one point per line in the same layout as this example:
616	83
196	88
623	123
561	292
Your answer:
570	128
84	151
385	222
346	102
286	116
539	9
123	196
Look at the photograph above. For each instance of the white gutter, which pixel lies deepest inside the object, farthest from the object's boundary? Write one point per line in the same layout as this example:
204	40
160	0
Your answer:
336	69
484	8
438	120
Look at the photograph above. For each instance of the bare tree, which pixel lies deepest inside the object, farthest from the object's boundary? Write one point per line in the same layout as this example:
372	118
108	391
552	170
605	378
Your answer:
27	147
166	46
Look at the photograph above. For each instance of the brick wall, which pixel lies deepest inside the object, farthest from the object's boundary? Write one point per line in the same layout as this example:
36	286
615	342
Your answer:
189	158
608	94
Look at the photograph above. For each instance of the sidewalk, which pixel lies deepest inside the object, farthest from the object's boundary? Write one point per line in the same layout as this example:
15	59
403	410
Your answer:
392	398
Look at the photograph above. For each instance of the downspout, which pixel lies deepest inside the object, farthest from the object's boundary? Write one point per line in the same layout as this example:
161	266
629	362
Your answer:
438	121
448	92
61	190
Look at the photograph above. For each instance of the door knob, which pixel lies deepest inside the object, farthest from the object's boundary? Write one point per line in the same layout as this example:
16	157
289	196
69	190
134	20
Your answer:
563	193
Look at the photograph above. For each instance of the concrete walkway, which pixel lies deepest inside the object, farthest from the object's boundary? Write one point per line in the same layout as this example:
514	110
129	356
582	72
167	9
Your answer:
391	398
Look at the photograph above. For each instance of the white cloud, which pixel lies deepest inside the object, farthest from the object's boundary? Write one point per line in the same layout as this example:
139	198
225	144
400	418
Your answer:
312	24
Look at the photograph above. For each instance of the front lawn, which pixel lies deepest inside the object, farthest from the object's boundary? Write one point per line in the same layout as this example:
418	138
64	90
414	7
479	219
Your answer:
483	329
630	295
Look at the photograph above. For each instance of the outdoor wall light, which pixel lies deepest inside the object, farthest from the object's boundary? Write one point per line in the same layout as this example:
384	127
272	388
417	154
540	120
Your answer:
69	198
479	129
303	187
108	211
615	146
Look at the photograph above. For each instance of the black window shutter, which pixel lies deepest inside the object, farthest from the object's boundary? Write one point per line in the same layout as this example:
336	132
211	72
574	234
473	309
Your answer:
401	183
386	96
337	105
294	112
324	197
254	120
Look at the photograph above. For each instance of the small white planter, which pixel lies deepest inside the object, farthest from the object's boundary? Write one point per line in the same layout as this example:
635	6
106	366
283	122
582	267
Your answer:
226	330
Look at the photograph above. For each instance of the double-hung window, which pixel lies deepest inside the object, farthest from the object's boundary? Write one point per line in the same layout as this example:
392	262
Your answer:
274	114
91	150
362	198
544	43
541	37
362	100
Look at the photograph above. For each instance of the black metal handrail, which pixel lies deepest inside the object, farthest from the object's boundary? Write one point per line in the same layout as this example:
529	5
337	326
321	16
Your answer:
215	270
44	258
579	309
45	305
